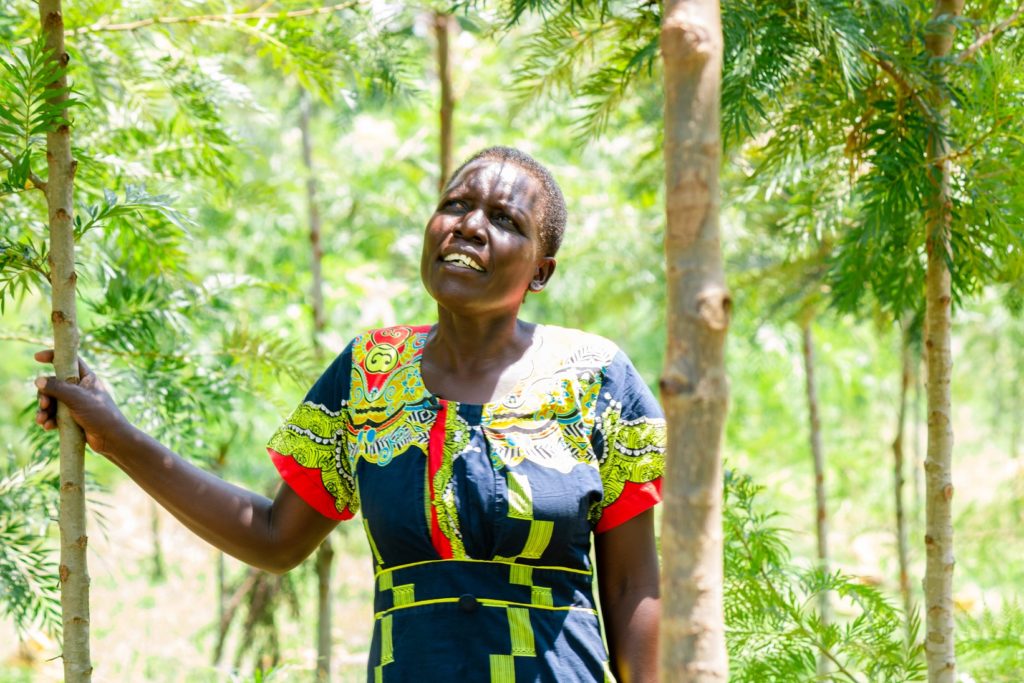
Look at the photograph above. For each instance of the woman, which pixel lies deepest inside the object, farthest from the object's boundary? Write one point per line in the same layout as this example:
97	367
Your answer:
483	452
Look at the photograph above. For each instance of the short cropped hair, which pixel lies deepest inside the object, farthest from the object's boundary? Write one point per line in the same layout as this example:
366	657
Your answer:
552	202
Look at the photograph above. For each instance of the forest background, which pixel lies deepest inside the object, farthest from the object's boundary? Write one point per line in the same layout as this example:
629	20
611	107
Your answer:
195	278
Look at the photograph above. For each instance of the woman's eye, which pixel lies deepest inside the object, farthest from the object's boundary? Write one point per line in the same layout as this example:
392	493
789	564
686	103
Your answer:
505	221
454	205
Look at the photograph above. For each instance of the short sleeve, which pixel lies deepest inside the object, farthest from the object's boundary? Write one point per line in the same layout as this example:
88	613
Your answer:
310	448
629	441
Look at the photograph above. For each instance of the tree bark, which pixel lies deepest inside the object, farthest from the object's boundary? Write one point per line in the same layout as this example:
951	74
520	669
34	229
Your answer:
694	388
938	580
157	570
442	29
315	224
918	475
325	554
74	571
818	453
898	469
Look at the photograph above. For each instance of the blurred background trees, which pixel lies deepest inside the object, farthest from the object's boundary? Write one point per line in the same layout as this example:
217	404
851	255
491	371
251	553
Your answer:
195	278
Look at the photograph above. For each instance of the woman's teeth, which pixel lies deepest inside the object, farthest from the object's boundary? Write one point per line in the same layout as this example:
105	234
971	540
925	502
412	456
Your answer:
463	260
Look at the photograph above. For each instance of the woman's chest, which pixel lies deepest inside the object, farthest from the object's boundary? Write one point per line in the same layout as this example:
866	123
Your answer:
443	480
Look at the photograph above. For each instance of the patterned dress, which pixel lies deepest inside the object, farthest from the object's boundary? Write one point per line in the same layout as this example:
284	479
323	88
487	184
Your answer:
479	517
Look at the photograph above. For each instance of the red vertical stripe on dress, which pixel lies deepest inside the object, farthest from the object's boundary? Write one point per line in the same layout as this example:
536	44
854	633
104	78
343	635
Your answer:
435	456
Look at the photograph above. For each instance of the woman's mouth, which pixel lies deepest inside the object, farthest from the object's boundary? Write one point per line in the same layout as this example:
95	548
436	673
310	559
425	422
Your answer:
464	261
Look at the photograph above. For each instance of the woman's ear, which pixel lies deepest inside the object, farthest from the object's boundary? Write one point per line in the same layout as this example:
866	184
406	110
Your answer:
545	269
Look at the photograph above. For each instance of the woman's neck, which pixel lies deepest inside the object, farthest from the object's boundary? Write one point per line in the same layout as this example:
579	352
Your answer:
467	345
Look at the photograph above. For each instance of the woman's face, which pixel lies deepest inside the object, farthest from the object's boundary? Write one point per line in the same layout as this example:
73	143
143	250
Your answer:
482	249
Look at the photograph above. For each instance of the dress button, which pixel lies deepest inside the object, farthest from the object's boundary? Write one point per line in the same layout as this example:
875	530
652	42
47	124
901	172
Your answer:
468	602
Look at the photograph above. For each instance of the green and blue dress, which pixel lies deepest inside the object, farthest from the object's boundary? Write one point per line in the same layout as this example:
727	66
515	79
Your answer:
479	517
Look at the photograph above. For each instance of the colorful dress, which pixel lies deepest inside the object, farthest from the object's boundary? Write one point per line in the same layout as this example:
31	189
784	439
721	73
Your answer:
479	517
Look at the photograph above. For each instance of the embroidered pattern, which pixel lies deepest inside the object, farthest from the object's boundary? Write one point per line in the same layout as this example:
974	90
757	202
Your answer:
315	438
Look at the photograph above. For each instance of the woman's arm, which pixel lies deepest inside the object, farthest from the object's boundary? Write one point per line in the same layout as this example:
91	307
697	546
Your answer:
627	579
274	535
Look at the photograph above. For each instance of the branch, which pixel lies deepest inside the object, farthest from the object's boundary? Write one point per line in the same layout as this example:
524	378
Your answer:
37	182
900	81
984	38
211	18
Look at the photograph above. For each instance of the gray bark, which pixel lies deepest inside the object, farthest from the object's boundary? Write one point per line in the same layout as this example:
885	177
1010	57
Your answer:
897	470
938	579
694	388
74	571
442	30
325	554
818	454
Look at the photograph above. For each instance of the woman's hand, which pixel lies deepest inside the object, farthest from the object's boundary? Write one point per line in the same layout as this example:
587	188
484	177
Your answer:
90	405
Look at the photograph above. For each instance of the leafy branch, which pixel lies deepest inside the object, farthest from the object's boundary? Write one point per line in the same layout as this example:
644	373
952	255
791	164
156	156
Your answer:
20	168
226	18
989	35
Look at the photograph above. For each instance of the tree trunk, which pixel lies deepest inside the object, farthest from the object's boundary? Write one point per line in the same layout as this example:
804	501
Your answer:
74	572
1016	405
817	452
324	561
316	249
157	570
938	578
325	554
918	476
897	470
694	388
442	29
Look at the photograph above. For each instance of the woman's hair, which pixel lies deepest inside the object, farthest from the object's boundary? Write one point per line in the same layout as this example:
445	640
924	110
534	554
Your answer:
552	202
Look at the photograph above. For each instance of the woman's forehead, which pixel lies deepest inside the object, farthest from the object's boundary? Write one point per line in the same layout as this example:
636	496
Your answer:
506	179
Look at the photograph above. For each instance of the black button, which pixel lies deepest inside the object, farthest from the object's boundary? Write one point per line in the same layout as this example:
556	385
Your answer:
468	603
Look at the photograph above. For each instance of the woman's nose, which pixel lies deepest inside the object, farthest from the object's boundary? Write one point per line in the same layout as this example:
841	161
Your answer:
473	226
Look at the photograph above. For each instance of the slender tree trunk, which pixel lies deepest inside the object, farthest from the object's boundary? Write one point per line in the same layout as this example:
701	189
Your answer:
897	471
938	579
694	388
325	554
918	475
818	453
1016	405
315	224
157	570
442	29
74	571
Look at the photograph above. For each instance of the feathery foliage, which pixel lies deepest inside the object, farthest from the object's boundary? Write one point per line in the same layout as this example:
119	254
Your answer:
28	501
772	629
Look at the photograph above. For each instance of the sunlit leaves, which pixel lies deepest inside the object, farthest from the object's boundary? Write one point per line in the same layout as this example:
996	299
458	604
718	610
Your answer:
773	630
27	107
28	593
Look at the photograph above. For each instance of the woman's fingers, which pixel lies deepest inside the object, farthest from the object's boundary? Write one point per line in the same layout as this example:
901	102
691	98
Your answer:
46	356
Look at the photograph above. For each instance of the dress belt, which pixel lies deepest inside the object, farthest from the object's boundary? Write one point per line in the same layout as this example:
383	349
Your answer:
472	584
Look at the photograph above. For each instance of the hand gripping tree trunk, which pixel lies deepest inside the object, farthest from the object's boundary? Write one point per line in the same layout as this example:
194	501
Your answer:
325	554
938	577
74	573
694	389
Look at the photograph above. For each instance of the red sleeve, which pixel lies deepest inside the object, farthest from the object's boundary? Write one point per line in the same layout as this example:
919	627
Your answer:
308	483
634	499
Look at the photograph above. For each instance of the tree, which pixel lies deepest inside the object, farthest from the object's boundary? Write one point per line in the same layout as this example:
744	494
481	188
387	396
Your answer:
938	539
150	319
324	554
443	24
694	389
59	190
